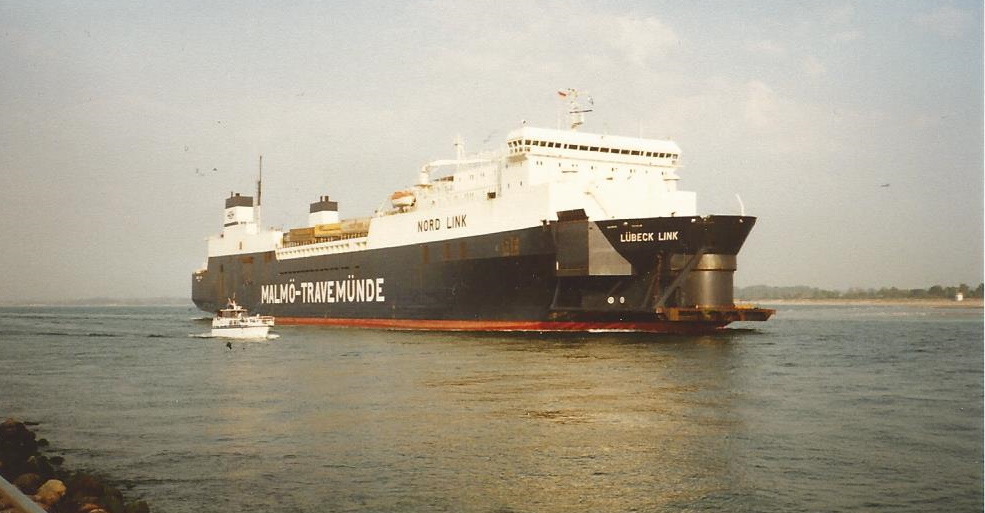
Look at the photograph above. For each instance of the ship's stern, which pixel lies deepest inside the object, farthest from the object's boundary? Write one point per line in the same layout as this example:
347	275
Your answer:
204	291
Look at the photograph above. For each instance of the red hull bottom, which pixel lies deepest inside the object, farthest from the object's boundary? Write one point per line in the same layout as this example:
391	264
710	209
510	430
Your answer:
531	326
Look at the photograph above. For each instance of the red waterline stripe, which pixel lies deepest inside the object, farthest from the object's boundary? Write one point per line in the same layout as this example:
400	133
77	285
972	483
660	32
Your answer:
458	325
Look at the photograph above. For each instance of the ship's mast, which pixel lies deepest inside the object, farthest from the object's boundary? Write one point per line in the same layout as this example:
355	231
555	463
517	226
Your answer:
259	190
576	111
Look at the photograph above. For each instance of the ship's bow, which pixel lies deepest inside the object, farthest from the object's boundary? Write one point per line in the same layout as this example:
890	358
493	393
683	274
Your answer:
674	271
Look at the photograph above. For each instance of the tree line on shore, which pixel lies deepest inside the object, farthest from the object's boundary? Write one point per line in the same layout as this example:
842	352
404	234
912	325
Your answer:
805	292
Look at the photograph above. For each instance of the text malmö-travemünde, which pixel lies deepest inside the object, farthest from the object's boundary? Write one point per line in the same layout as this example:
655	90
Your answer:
350	290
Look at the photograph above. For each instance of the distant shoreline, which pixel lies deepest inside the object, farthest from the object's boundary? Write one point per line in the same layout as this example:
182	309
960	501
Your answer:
932	303
97	301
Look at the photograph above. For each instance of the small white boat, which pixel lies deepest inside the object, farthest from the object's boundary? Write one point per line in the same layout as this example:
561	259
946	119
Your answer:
234	321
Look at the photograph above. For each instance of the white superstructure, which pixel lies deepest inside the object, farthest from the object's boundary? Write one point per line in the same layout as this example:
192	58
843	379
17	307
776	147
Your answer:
240	231
535	174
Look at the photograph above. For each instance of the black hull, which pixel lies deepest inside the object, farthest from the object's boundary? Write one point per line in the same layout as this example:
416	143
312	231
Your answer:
659	274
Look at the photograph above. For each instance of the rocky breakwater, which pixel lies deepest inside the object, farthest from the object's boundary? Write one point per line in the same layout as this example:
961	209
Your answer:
53	488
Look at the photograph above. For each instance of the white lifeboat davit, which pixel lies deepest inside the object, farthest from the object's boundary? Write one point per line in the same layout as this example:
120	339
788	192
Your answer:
402	199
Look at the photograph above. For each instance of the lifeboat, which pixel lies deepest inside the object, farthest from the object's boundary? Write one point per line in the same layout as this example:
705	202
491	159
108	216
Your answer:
402	199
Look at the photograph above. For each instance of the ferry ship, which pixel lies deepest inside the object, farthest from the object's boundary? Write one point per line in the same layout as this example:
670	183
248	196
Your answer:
556	230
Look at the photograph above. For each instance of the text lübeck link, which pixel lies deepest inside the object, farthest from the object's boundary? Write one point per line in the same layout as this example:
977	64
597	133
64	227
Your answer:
647	236
350	290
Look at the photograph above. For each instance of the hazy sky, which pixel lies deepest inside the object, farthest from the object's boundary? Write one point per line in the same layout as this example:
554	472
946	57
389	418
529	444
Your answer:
126	124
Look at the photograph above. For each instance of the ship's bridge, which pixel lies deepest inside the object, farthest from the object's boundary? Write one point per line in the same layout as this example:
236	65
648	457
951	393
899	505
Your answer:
547	142
609	176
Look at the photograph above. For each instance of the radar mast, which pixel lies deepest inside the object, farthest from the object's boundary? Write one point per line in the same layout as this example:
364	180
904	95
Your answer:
575	109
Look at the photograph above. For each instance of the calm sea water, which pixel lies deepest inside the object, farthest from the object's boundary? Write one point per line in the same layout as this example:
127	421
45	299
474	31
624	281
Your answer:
824	408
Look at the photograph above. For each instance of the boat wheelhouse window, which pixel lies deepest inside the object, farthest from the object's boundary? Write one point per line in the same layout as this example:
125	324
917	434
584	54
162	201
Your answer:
594	148
635	152
583	148
624	152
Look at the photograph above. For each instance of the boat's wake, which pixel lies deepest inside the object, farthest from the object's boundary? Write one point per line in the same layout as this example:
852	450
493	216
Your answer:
270	336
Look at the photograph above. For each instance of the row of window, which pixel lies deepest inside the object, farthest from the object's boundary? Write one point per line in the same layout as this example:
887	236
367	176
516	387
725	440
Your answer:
574	168
297	250
525	145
